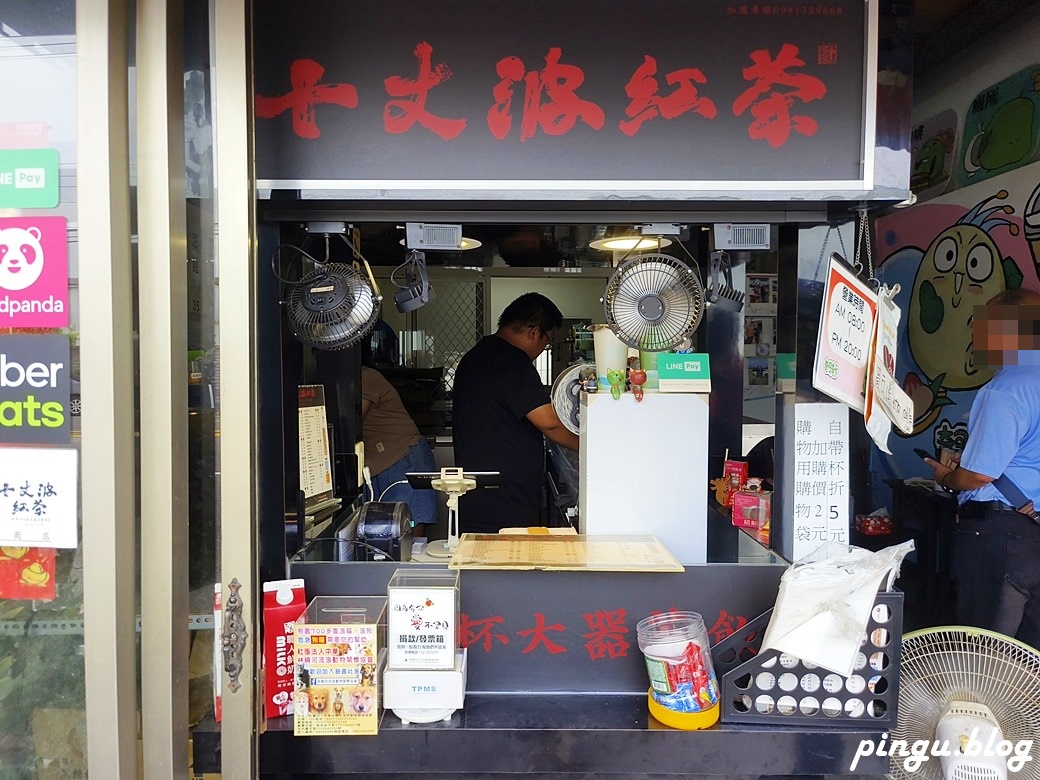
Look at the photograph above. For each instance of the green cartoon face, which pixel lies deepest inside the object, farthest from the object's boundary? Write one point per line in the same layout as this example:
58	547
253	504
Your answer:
961	269
928	165
1006	140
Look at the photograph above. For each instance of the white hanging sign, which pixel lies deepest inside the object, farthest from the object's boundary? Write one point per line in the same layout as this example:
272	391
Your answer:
843	340
39	492
886	401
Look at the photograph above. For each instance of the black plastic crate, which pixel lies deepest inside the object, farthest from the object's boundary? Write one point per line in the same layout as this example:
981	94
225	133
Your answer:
776	688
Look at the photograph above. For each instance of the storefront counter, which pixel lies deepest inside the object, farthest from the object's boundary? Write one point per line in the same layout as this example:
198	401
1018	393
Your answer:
557	684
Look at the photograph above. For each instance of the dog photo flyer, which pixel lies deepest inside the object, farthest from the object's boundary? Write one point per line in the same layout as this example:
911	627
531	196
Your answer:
337	643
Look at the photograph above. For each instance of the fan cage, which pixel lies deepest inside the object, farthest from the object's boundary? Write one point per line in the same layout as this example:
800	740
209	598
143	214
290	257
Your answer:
653	302
941	665
339	326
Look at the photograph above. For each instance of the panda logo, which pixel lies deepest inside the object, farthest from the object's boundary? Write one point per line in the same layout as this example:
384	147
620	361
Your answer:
21	258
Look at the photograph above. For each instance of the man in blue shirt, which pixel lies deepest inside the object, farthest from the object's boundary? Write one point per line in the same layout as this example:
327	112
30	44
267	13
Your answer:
996	557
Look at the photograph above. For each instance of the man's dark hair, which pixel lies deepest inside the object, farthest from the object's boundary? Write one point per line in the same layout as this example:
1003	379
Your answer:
531	310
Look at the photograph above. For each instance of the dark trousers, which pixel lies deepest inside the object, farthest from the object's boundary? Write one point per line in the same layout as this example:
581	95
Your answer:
996	566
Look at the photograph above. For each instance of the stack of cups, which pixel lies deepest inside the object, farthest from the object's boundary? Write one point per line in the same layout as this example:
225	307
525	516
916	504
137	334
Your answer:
684	692
611	353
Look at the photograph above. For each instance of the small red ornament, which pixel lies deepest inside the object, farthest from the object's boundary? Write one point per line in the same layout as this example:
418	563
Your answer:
637	378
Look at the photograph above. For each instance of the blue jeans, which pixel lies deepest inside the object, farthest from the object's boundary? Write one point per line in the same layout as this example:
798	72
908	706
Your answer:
423	503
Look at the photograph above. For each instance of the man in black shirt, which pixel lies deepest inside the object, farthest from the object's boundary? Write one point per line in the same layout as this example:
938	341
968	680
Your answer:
500	412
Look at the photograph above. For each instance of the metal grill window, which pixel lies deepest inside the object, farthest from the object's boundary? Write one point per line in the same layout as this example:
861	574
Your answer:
450	326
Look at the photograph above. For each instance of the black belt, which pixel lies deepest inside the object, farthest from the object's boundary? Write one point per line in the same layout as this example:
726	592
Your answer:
995	512
980	508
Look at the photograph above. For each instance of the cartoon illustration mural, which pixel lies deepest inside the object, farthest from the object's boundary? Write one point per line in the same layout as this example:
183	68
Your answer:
977	242
1001	127
932	149
963	267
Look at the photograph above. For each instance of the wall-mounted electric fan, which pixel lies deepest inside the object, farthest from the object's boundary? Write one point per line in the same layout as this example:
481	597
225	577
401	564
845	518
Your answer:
972	698
653	302
335	305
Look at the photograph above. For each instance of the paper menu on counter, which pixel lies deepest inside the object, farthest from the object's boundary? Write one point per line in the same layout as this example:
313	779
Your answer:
608	552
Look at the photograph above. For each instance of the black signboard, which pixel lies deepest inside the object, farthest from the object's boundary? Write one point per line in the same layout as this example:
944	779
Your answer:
565	96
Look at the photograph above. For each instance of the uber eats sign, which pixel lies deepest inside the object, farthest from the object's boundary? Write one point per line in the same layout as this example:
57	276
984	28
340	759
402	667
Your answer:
34	389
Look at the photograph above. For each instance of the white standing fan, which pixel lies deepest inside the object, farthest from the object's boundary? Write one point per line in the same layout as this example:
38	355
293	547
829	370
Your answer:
566	394
958	683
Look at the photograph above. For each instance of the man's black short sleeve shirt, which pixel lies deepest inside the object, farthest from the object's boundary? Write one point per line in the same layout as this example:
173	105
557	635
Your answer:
495	387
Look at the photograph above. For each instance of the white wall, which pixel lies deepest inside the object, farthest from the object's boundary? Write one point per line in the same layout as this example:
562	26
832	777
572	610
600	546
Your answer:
578	298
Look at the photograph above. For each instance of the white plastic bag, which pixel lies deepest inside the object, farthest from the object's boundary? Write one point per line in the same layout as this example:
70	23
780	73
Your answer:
824	604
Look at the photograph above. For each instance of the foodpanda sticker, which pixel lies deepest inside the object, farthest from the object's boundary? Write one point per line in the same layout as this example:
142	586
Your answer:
34	272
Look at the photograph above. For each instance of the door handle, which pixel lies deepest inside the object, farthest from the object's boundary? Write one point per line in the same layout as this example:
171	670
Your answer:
233	636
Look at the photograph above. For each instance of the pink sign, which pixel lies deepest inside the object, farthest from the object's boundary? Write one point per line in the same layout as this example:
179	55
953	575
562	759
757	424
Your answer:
34	272
24	135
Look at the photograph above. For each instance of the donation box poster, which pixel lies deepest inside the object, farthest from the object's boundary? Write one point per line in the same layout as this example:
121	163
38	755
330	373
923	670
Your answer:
39	494
843	341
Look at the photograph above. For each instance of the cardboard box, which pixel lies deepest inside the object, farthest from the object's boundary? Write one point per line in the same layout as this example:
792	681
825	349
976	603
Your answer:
735	472
337	642
218	656
407	689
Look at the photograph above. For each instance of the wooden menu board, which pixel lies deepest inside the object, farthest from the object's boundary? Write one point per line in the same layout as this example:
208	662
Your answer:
636	552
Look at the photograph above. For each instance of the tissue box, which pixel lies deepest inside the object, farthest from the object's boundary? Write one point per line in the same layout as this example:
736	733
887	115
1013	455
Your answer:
874	525
751	510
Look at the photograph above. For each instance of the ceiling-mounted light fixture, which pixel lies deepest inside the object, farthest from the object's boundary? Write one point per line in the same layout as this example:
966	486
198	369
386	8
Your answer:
630	242
464	244
635	239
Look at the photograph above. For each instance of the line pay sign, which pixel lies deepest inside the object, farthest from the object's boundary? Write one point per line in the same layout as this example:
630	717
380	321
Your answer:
844	339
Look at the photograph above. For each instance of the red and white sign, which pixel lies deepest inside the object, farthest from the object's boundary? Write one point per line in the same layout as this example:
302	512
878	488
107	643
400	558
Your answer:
843	341
34	272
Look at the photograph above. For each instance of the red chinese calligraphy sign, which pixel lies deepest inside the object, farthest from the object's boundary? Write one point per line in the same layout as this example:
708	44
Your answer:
773	94
377	97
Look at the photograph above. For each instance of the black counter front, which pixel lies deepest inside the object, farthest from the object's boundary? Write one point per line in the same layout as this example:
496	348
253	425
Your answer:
585	736
556	682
